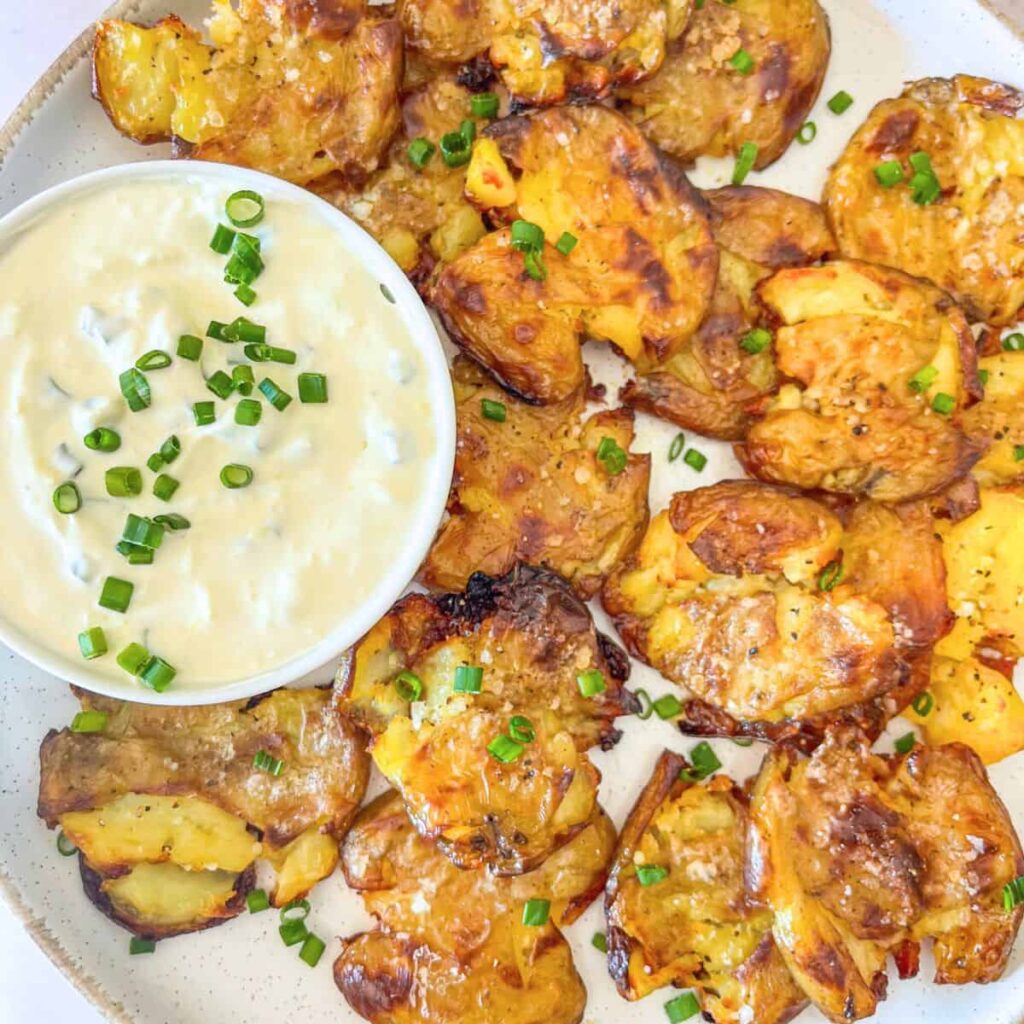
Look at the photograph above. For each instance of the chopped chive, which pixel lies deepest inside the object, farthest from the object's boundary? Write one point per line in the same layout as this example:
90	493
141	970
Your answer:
455	149
566	243
943	404
807	134
668	706
923	379
409	686
646	705
269	354
89	721
521	729
1018	453
468	679
682	1008
66	498
116	594
92	643
742	61
1013	342
190	347
924	185
135	389
293	932
526	236
155	359
420	151
157	674
505	749
536	913
312	949
172	521
65	847
905	743
535	266
650	874
831	576
703	762
841	102
245	295
244	330
223	236
467	129
611	456
234	475
102	439
137	946
244	208
220	384
243	380
139	530
155	462
133	658
170	449
889	173
257	900
923	704
1013	894
123	482
492	410
675	449
312	388
756	340
600	942
591	683
983	377
745	160
135	553
267	763
164	487
204	413
217	331
695	460
484	104
248	412
278	398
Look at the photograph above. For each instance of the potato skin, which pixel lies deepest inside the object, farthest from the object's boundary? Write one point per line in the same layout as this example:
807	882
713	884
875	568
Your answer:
708	384
859	854
531	489
698	103
968	241
691	928
532	636
851	336
723	597
641	275
450	946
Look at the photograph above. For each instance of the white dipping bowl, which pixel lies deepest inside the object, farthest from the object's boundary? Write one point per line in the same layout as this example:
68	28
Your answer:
419	517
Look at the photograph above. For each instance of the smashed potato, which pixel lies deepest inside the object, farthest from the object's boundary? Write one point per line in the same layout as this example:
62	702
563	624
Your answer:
549	52
858	855
450	944
640	275
307	92
968	240
776	613
693	927
165	792
701	102
998	420
881	367
708	384
531	488
500	662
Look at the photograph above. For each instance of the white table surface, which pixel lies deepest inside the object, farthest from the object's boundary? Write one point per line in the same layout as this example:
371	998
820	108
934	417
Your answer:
32	34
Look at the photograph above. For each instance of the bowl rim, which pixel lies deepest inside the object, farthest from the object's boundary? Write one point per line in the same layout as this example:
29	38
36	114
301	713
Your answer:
415	541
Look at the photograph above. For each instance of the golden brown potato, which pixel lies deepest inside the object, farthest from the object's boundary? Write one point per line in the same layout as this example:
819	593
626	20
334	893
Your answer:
307	91
968	240
532	638
694	927
778	615
998	420
858	855
853	339
707	385
700	103
549	52
531	489
450	945
178	786
640	276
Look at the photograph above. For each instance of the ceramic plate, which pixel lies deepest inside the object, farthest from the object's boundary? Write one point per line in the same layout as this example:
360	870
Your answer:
241	971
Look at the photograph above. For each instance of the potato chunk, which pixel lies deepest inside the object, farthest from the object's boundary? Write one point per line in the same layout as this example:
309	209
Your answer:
720	370
883	366
305	92
531	488
700	102
998	420
694	927
640	275
968	240
451	944
858	855
505	807
777	614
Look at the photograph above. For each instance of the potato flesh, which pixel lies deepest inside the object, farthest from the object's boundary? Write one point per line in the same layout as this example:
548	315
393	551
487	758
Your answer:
998	420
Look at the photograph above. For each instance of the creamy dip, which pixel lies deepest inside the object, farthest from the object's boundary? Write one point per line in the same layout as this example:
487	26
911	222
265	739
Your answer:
266	571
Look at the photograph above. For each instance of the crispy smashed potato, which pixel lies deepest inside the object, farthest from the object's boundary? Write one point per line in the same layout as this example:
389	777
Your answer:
419	215
777	614
881	367
531	637
968	241
701	103
694	927
162	793
451	945
707	385
549	52
305	91
641	274
530	488
998	420
858	855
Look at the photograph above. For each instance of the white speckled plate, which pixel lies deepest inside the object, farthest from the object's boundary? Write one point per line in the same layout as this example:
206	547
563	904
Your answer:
240	971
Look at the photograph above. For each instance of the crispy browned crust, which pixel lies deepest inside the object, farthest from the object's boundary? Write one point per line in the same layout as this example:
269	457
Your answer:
708	385
718	570
862	854
698	104
641	275
93	885
208	752
968	242
533	636
531	489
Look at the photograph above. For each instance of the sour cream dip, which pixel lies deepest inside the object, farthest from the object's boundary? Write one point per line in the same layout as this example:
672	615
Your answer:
272	577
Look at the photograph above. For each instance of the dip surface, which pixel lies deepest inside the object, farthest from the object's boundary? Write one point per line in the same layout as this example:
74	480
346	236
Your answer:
266	571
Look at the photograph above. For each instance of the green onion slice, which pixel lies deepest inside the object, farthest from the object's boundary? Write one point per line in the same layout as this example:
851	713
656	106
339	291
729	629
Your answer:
756	340
566	243
943	404
704	762
675	449
591	683
244	330
668	706
220	384
123	481
257	901
484	104
276	396
1013	342
172	520
312	388
682	1008
742	741
135	389
204	413
600	942
467	129
248	412
745	160
65	847
155	359
245	295
133	658
164	487
234	475
116	594
217	331
92	643
89	721
1013	893
905	743
157	674
137	946
102	439
521	729
831	576
535	266
889	173
222	239
492	410
923	379
646	705
536	913
273	766
650	874
135	553
293	932
155	462
296	910
244	208
269	354
468	679
923	704
243	379
455	149
807	134
526	236
505	749
841	102
611	456
695	460
66	498
312	949
420	151
1018	453
742	61
409	686
146	532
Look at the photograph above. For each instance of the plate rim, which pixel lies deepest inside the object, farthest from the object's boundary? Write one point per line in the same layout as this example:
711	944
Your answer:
10	130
